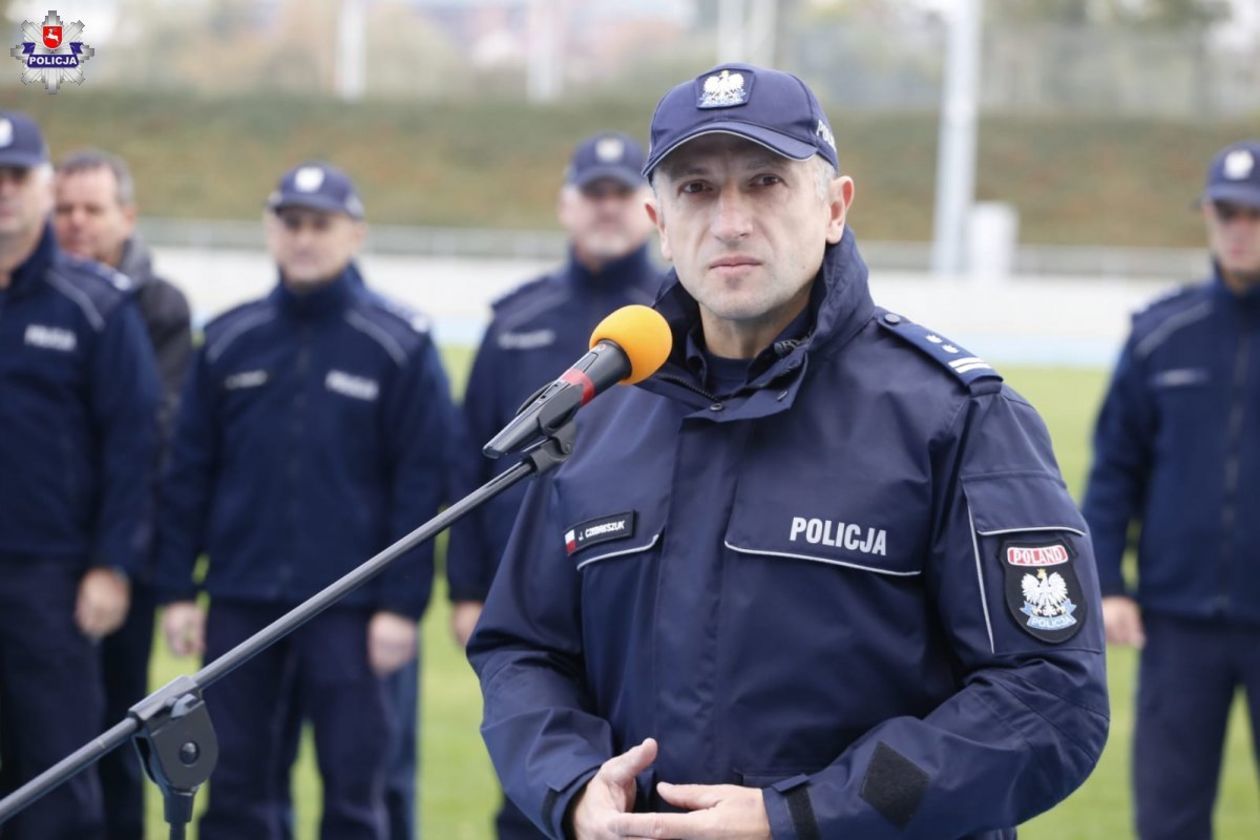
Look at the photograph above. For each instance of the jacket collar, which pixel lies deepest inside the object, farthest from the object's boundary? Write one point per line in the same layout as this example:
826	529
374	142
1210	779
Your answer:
31	272
840	305
323	301
618	275
1248	303
136	262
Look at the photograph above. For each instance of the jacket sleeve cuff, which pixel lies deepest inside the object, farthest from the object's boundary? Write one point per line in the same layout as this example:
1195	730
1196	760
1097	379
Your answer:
789	811
169	595
1111	588
467	592
556	807
408	608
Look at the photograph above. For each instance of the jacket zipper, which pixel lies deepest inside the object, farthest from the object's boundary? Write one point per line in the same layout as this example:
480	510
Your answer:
693	388
1233	442
297	428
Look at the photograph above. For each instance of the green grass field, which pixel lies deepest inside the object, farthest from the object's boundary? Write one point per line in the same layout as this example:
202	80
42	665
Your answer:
458	794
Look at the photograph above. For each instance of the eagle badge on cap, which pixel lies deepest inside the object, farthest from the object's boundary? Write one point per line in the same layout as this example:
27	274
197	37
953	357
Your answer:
1238	164
308	178
723	90
610	149
6	133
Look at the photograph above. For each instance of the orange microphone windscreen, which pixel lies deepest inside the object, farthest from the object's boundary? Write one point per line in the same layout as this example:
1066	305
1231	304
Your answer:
642	333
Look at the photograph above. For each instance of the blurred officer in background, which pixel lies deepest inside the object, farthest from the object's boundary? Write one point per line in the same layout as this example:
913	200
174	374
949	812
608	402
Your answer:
536	332
1177	450
79	397
311	434
819	576
95	218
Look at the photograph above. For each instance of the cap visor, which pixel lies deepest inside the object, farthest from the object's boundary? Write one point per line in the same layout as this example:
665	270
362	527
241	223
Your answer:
780	144
21	160
1245	194
312	202
620	174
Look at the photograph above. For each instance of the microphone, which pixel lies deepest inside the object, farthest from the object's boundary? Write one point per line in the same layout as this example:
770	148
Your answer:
628	346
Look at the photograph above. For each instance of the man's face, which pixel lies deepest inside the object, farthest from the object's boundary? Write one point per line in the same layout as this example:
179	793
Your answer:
89	219
745	228
312	246
1234	237
25	200
604	219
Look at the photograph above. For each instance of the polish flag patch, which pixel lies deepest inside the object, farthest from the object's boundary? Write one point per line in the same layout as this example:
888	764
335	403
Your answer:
570	541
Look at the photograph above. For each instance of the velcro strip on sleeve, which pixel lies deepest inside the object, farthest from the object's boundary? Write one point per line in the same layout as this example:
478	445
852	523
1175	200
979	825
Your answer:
894	785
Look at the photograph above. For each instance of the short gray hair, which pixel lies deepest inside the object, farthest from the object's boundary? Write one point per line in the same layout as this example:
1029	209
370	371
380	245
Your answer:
89	160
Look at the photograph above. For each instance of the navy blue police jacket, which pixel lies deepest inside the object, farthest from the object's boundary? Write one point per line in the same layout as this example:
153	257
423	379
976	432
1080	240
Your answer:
78	405
1177	448
311	434
537	331
859	584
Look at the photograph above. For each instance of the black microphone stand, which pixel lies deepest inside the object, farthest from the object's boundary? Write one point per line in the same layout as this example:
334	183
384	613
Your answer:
172	728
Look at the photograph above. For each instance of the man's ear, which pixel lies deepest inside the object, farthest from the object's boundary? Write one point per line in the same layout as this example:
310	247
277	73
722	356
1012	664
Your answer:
839	200
657	215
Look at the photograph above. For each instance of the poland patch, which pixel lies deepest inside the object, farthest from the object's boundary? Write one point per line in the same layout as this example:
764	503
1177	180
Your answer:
1043	594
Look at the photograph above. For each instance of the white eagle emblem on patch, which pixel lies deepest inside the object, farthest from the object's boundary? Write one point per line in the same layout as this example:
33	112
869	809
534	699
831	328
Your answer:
724	90
1046	601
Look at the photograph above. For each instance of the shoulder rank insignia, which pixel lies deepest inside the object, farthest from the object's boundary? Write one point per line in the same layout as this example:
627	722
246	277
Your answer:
967	367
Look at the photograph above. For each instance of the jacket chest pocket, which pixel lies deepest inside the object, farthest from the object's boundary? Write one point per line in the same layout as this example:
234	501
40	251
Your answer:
861	527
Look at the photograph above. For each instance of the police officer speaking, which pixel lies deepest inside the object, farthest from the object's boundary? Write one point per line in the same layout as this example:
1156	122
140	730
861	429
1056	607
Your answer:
848	594
78	404
311	435
1177	448
537	330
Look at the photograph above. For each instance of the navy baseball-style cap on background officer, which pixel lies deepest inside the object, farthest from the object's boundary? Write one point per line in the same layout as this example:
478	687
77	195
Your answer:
315	185
22	144
612	155
1234	175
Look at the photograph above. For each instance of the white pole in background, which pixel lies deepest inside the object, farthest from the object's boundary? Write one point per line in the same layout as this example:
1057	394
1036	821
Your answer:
544	74
731	32
351	59
956	155
761	26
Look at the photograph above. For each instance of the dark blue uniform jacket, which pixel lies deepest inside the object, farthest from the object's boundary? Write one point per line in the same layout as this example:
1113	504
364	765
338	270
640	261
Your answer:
311	433
1177	448
78	405
859	583
537	331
